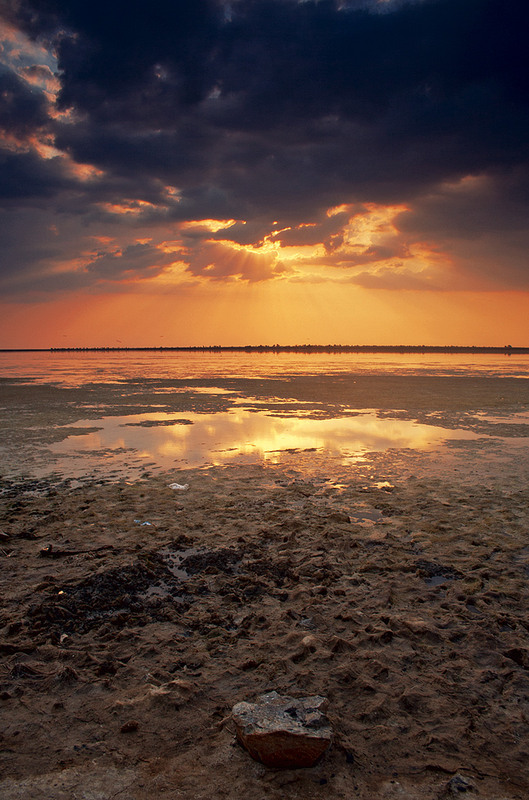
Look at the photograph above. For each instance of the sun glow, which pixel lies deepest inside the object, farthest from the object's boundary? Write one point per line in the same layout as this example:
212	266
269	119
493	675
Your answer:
375	223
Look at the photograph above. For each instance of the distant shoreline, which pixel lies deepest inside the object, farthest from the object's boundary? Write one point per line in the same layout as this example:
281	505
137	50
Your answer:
276	348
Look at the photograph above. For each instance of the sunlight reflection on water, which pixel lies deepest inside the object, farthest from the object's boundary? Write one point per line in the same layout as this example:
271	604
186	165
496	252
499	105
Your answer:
78	368
242	436
146	414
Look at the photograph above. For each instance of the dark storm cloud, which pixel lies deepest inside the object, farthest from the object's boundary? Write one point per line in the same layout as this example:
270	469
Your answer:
43	252
138	260
127	61
23	109
482	223
31	248
27	176
276	110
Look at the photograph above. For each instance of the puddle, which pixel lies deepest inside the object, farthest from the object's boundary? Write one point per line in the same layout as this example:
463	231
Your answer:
160	441
365	516
438	580
174	560
322	422
435	574
183	564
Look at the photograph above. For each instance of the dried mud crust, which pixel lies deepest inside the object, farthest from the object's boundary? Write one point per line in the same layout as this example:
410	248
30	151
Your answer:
124	646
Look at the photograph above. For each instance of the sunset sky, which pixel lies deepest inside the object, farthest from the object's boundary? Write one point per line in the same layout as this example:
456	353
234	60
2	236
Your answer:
195	172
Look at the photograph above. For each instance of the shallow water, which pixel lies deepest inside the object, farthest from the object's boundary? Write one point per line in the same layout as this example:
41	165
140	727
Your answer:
78	368
242	436
86	415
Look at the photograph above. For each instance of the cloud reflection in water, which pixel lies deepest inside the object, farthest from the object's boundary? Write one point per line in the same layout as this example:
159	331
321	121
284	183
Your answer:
244	436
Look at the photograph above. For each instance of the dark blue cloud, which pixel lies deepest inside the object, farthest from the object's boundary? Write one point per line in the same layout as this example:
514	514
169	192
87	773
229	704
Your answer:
138	260
263	110
23	109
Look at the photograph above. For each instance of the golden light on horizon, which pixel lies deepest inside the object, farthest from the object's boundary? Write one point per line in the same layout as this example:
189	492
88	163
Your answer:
218	291
193	311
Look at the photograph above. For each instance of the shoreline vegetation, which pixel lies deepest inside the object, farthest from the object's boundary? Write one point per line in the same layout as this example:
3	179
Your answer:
279	348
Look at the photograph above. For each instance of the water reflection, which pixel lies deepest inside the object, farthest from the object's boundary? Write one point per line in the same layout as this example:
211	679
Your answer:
79	368
241	435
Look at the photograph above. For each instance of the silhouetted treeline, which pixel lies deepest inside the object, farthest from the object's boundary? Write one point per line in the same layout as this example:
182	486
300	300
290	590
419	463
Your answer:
280	348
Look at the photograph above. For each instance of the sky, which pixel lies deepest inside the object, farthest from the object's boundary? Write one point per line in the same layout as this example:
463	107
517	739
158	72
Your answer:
231	172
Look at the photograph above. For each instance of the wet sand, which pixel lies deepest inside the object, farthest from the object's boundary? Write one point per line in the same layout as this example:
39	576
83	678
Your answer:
135	616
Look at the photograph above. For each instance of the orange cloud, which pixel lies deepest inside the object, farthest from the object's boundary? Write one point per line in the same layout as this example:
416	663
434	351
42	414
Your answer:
225	260
212	225
41	75
85	172
128	207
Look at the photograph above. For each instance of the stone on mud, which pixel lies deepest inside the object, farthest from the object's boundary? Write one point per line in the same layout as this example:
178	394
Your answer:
283	731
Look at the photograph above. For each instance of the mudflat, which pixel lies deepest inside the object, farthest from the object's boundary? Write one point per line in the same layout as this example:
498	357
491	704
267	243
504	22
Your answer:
134	616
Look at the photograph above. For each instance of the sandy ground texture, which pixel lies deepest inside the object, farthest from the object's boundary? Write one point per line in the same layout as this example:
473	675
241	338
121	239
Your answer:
134	616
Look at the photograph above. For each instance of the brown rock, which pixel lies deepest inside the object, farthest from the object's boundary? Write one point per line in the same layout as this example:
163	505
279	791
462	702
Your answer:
283	731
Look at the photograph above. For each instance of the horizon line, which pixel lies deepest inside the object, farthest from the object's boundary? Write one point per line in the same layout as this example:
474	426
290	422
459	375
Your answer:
303	348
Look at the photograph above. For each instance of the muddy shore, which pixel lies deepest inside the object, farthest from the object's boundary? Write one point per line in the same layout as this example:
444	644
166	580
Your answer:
134	616
125	644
